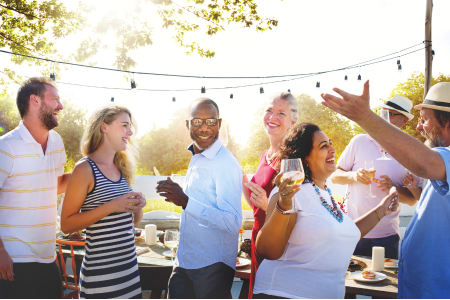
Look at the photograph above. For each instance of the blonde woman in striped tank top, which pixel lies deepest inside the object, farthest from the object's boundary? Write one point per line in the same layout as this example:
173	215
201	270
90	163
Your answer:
98	198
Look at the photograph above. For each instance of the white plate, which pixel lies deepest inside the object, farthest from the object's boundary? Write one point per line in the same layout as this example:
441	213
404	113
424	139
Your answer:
169	254
243	262
358	276
392	267
83	238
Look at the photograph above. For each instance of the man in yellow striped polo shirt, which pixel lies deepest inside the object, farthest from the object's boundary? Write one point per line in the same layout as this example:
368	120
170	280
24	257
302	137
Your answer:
32	159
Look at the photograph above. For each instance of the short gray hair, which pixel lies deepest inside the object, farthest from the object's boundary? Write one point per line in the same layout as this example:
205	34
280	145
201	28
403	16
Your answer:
293	104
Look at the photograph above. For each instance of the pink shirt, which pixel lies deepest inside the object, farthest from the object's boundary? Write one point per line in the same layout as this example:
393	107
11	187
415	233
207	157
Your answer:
361	148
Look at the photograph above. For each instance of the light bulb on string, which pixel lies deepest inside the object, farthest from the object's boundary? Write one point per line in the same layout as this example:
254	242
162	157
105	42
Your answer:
289	90
231	96
133	85
399	68
398	61
432	53
346	77
173	99
359	77
112	99
203	90
261	90
318	84
52	75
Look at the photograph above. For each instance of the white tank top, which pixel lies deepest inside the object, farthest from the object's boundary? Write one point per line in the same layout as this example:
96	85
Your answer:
317	255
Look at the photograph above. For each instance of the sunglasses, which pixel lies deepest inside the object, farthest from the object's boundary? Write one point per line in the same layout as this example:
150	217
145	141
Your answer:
392	114
199	122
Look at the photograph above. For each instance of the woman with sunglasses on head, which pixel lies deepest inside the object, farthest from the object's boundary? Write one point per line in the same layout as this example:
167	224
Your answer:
99	198
279	116
307	251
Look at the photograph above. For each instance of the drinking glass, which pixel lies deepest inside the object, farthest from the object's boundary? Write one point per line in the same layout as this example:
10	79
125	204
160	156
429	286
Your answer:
294	168
177	179
385	115
223	135
171	240
132	216
368	165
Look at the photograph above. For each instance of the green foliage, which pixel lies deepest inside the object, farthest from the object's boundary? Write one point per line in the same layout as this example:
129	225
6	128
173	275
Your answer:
413	89
9	115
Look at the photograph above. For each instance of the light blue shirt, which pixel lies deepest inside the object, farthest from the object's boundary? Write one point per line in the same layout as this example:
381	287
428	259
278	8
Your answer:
424	265
210	223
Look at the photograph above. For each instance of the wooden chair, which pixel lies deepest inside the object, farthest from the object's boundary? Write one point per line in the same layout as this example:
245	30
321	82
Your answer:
62	266
155	279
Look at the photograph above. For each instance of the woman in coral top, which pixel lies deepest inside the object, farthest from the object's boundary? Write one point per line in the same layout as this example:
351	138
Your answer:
279	116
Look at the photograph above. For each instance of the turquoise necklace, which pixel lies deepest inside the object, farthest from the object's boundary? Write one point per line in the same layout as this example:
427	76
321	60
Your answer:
334	210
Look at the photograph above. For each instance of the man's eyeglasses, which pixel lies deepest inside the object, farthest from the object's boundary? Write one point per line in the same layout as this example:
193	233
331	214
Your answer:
199	122
423	120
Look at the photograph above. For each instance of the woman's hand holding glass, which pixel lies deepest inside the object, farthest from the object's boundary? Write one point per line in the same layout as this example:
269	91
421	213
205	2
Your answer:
390	203
122	203
286	191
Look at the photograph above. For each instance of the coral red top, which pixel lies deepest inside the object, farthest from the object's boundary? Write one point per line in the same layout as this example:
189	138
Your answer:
264	178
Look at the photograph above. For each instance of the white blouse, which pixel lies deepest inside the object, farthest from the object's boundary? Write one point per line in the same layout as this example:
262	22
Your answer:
317	254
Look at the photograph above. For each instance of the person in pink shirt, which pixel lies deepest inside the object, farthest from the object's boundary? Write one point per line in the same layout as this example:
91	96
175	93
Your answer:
388	173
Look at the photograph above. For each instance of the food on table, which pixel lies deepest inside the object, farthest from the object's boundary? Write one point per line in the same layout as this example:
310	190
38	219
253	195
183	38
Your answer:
75	236
237	261
389	262
353	262
137	232
368	275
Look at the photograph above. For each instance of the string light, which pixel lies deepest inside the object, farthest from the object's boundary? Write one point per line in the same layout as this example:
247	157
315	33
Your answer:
399	68
173	99
112	99
432	53
398	61
345	78
261	90
289	90
231	96
133	84
318	84
52	75
203	90
359	77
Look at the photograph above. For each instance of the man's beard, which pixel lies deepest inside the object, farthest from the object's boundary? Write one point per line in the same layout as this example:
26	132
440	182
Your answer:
46	117
434	138
194	141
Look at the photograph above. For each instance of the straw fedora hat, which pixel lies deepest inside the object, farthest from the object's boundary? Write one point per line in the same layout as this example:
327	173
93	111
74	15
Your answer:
401	104
438	97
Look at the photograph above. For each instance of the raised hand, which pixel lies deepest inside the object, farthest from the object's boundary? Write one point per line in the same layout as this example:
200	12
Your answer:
390	203
410	181
385	184
172	192
286	191
122	203
259	196
354	107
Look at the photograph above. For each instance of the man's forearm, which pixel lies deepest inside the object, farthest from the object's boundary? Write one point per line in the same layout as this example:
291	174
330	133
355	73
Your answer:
406	196
62	182
408	151
342	177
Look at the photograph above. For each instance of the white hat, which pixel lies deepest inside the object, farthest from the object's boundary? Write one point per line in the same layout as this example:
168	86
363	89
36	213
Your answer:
401	104
438	97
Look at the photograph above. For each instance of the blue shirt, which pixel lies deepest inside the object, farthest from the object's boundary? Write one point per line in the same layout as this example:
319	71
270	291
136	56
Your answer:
210	223
424	265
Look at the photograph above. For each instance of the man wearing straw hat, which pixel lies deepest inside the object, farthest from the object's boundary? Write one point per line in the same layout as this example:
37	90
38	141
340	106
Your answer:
424	257
351	172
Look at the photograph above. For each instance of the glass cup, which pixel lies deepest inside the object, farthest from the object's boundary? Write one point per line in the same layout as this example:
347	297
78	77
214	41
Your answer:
385	115
294	168
368	165
171	240
177	179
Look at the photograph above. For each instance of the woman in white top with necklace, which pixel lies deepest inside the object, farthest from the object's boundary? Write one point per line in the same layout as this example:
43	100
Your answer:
307	252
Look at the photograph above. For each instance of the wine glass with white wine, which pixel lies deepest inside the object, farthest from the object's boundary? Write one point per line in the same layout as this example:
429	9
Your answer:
177	179
294	168
368	165
384	113
171	240
223	135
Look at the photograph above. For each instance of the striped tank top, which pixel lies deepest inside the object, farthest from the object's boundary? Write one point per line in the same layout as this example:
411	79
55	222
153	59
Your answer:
109	268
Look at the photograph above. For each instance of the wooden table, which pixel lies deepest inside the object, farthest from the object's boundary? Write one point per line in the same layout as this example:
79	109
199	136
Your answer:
384	289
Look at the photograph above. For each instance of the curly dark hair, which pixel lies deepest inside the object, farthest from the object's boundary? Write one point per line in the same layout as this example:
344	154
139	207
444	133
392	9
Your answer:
298	144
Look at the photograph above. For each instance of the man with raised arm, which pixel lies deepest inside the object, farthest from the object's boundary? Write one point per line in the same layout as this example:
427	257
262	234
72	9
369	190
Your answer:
424	261
32	159
211	211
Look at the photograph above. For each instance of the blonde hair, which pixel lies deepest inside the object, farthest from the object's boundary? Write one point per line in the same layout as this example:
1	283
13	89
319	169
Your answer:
93	138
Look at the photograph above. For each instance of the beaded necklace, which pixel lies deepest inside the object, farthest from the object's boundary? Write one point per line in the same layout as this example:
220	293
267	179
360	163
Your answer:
334	210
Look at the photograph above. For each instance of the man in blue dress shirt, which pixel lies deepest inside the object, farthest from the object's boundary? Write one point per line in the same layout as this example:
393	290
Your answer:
211	216
424	254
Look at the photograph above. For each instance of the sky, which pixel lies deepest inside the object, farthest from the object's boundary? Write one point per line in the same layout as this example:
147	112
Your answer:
311	36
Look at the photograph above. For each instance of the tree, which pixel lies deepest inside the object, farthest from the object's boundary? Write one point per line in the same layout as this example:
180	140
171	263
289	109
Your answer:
26	25
413	90
70	128
338	129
